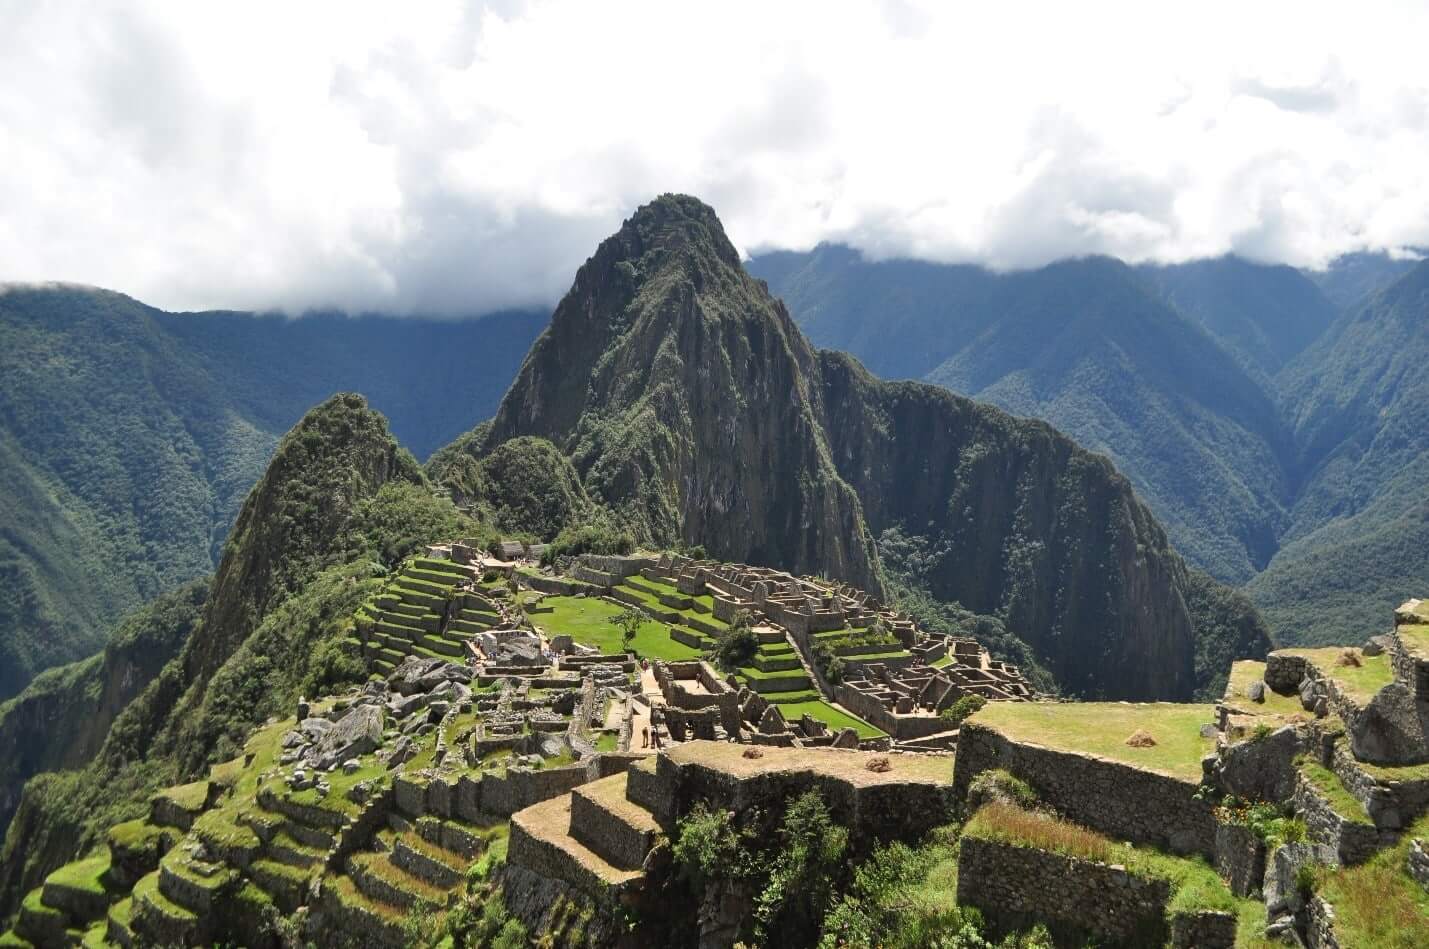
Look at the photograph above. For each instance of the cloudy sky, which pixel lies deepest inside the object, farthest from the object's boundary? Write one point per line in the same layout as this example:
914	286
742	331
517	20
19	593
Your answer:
454	158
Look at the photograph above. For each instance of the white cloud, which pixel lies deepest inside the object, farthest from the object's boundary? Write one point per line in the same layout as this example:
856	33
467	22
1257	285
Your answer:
455	158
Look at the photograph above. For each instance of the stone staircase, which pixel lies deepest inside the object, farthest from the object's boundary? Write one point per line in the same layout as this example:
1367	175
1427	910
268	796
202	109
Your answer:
595	839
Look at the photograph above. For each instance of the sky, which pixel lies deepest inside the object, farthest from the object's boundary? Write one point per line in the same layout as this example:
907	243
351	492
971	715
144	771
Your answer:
448	158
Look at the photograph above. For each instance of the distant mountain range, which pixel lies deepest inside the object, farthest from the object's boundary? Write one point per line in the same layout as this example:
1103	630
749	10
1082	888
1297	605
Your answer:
129	436
1271	431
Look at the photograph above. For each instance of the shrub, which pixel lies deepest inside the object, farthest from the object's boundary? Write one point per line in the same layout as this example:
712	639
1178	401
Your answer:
962	709
600	535
737	645
1000	785
708	847
830	665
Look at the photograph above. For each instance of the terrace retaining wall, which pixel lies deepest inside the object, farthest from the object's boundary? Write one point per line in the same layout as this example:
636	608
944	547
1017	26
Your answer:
1119	800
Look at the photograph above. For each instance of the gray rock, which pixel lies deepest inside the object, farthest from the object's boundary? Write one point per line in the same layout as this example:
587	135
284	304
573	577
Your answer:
402	751
1209	731
1374	646
1309	693
1322	707
407	704
350	765
846	738
357	733
1256	692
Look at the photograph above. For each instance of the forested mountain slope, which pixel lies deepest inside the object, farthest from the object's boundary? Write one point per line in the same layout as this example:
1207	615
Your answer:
313	537
128	437
1359	404
688	402
1089	346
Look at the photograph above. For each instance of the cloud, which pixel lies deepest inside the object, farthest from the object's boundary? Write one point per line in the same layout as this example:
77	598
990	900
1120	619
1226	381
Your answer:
465	157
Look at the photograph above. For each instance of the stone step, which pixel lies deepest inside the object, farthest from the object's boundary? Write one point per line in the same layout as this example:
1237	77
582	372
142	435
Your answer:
379	879
285	849
644	788
159	921
609	823
119	923
286	884
541	842
40	924
465	840
191	884
352	911
424	859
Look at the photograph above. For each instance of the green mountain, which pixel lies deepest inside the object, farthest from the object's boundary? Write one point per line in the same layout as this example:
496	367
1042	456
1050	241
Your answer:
310	544
1349	280
1359	404
129	436
1090	346
689	403
1265	315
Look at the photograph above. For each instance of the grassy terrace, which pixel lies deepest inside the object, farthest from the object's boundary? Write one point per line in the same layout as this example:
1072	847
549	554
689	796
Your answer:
1195	886
1358	682
1342	802
1102	728
1415	636
588	620
1377	904
1248	671
830	715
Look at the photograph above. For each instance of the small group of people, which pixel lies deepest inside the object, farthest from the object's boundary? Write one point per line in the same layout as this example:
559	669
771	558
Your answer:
649	738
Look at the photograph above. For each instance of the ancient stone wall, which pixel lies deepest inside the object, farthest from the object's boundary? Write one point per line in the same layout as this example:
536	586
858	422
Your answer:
1240	858
1352	837
871	709
1016	886
1116	799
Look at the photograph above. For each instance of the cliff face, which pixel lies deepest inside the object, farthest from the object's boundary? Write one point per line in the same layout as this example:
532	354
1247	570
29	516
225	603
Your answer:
1024	524
687	399
682	393
60	719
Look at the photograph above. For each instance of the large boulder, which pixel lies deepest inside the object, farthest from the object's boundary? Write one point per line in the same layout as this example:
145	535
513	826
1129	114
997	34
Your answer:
357	733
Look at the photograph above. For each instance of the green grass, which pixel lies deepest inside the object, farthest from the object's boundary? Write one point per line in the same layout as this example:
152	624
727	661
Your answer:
1358	682
1342	802
587	620
1377	904
1415	637
1243	675
1195	886
86	874
607	741
1101	728
835	718
944	662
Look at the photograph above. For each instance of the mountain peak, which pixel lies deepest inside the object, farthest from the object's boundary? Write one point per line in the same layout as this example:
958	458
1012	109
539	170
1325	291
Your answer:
673	223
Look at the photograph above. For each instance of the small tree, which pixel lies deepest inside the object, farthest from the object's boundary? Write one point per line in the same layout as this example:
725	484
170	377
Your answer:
738	644
960	710
628	622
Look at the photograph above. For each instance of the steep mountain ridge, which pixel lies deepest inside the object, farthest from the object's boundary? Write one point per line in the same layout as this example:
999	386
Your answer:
129	437
1089	346
1359	404
297	563
687	399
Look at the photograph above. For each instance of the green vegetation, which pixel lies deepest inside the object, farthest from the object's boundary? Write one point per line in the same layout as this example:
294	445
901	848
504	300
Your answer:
1360	677
737	645
961	709
1102	728
1377	904
590	621
601	534
524	486
831	716
1341	801
1195	885
121	483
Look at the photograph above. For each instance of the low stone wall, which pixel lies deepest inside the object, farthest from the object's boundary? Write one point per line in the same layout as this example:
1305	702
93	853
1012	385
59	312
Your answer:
1263	769
1127	803
873	711
1240	858
1320	925
873	813
504	795
1418	863
1203	930
358	831
1017	886
1353	841
1283	673
556	586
